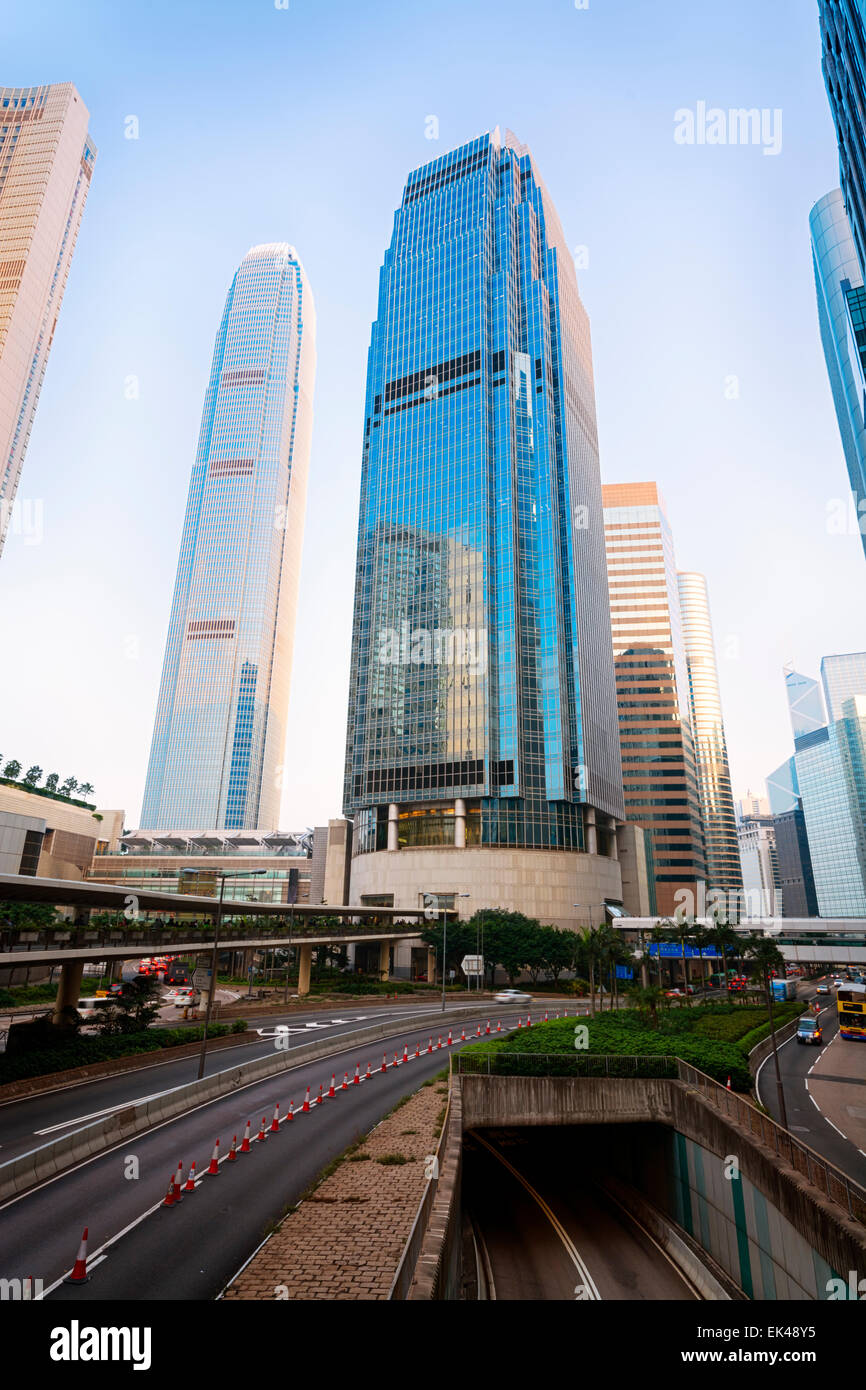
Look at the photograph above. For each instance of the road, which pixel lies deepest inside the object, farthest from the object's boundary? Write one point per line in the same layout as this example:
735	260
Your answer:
545	1230
805	1119
191	1251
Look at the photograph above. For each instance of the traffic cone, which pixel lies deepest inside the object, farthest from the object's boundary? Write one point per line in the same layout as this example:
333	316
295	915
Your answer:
189	1185
290	1113
275	1122
417	1049
214	1166
728	1087
177	1183
529	1020
478	1031
232	1156
245	1143
450	1044
546	1019
499	1025
487	1029
306	1104
405	1053
261	1136
356	1081
519	1023
396	1063
384	1066
170	1200
463	1035
331	1091
430	1044
367	1077
79	1273
319	1097
345	1085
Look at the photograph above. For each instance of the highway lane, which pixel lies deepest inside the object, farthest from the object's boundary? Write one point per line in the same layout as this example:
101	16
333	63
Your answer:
805	1120
33	1120
189	1252
548	1232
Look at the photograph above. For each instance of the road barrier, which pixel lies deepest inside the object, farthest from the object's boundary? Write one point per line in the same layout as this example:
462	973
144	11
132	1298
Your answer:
19	1174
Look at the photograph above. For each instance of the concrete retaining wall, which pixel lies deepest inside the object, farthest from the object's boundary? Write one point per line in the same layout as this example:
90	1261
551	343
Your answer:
19	1174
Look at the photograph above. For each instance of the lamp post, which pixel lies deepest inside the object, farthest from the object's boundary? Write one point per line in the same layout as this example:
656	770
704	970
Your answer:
223	875
588	907
437	896
289	951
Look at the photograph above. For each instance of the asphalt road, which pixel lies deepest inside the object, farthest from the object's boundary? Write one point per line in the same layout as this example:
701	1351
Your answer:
805	1120
34	1120
191	1251
546	1231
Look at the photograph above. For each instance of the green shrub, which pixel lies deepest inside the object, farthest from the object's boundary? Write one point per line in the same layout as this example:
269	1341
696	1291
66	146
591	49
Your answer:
78	1051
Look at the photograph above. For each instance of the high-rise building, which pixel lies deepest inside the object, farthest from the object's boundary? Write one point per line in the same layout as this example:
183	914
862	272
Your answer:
46	162
708	732
221	717
841	298
482	751
794	864
842	677
805	703
831	770
756	834
652	688
843	59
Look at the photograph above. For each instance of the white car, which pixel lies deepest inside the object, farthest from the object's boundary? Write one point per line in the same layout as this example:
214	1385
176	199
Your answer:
512	996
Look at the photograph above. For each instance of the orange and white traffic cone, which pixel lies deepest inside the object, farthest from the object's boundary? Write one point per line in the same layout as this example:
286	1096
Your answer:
189	1185
384	1066
306	1104
275	1122
245	1143
290	1113
261	1136
319	1097
519	1023
478	1031
487	1029
367	1077
499	1025
78	1274
331	1089
439	1048
546	1019
463	1035
177	1183
405	1053
395	1062
450	1044
232	1155
356	1080
169	1199
417	1049
529	1020
214	1166
430	1044
728	1087
345	1085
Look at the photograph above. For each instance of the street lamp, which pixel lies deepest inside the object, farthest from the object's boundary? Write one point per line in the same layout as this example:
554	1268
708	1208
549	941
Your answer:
437	896
223	874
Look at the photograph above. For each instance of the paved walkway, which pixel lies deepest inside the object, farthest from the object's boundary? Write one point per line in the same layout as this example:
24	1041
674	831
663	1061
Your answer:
328	1248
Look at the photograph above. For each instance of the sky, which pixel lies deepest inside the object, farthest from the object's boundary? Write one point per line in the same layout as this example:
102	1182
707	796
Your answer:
257	122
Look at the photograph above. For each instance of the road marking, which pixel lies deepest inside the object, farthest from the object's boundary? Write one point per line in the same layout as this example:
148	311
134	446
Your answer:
109	1110
570	1248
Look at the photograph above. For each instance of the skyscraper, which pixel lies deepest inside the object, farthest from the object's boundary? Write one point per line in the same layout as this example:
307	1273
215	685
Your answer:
221	717
831	770
841	299
652	688
46	161
708	732
842	676
482	710
843	59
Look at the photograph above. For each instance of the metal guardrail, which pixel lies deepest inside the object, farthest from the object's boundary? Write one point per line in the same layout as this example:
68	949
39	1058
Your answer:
818	1171
405	1273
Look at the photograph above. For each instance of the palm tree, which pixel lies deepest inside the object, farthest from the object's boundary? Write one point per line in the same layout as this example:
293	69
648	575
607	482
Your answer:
767	956
647	997
660	934
726	939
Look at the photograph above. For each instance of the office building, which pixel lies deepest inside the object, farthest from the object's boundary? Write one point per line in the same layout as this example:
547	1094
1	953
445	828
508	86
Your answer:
482	752
708	732
831	771
843	60
46	163
220	728
660	777
842	677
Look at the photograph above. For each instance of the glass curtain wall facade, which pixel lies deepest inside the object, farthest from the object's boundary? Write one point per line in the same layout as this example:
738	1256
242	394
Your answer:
221	716
843	60
708	730
841	300
842	677
657	745
831	770
482	704
46	162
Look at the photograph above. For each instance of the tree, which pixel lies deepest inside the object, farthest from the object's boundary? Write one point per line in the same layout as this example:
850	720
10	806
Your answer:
51	781
12	770
767	957
726	939
85	790
557	951
646	999
68	787
134	1010
32	776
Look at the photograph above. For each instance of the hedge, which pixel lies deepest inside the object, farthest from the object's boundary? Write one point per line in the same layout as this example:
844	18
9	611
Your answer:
83	1052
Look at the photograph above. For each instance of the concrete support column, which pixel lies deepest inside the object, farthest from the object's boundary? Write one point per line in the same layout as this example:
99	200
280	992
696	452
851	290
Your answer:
304	964
393	828
591	835
431	966
614	851
459	824
68	988
384	959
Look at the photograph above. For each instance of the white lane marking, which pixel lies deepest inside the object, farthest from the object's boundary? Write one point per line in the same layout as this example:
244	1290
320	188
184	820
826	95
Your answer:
836	1127
109	1110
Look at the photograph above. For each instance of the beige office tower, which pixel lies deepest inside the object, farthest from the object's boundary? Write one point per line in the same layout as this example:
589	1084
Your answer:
708	730
46	161
652	689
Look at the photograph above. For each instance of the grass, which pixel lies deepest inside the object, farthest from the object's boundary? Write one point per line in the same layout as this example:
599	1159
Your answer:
389	1160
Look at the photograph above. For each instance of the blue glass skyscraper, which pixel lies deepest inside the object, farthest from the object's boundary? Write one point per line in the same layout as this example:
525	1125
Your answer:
843	59
221	717
482	712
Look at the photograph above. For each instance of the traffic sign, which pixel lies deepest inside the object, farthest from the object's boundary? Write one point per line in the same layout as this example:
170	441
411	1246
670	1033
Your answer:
472	965
201	979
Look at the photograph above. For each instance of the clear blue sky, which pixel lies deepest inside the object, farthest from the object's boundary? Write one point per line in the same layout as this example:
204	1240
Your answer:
259	124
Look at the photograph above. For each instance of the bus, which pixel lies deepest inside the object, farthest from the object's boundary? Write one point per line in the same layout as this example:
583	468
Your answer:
851	1008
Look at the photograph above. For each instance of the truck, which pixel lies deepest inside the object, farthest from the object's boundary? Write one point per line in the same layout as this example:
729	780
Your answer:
784	989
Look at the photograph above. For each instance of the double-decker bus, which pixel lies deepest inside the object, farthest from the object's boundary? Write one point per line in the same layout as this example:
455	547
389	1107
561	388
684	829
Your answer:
851	1007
